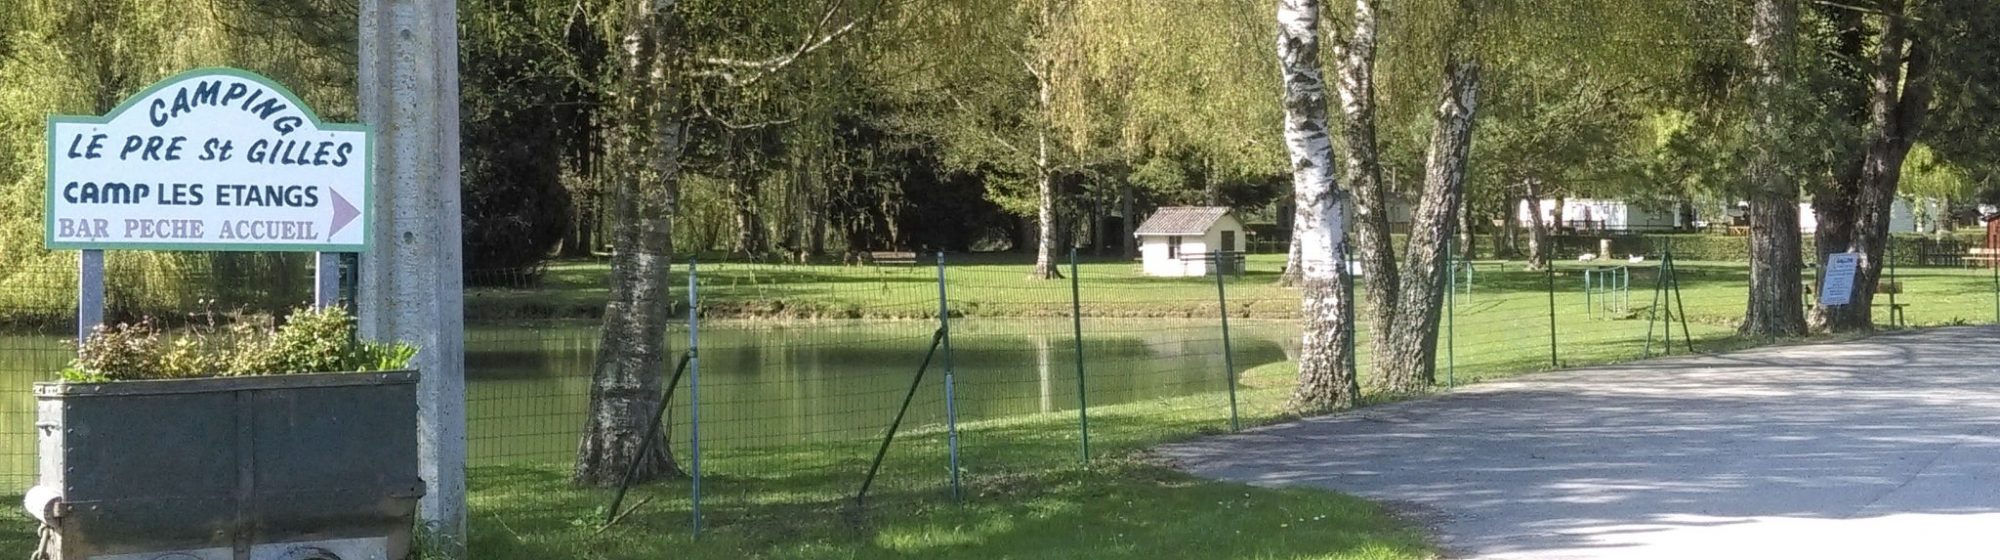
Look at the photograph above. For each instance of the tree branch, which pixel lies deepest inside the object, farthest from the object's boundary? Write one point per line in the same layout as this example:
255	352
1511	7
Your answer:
761	69
710	113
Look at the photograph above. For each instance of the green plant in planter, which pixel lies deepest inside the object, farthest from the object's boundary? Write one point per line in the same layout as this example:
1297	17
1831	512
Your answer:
309	341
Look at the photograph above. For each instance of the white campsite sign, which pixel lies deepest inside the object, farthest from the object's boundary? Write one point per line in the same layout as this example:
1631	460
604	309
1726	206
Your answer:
1838	287
215	159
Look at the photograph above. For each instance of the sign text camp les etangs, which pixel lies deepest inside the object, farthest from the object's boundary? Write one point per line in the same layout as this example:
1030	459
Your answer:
216	159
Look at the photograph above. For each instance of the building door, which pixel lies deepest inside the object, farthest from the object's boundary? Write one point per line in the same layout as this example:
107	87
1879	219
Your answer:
1228	240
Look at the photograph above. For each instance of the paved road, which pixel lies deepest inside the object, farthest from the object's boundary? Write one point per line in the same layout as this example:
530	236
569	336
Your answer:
1887	448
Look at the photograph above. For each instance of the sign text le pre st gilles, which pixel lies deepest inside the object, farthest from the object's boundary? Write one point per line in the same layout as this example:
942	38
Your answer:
216	159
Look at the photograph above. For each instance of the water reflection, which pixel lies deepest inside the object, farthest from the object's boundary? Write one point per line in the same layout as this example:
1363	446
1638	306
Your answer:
781	385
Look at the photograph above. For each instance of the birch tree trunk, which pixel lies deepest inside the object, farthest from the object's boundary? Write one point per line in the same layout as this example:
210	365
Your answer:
747	193
626	383
1363	175
1325	381
1045	204
1292	274
1774	307
1897	106
1538	229
1410	365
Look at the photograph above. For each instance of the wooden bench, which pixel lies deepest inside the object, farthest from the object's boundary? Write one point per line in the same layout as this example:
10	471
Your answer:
1980	255
1882	288
1230	262
888	258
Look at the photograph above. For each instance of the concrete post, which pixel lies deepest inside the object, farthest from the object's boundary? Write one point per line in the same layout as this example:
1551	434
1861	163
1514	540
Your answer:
326	279
410	285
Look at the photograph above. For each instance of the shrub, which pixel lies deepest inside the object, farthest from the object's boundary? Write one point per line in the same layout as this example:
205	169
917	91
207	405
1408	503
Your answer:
311	340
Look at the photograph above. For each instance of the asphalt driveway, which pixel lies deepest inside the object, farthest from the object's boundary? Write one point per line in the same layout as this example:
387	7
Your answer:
1886	447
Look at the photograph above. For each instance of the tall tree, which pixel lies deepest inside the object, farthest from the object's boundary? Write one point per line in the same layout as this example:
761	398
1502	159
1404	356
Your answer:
1326	382
626	381
1012	103
1404	365
665	68
1413	346
1889	104
1774	305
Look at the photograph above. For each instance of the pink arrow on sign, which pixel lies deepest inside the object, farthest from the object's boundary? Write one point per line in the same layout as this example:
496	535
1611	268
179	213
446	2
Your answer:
344	213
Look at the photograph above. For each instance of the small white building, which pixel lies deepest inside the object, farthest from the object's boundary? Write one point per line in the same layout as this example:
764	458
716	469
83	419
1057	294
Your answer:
1178	240
1600	214
1901	218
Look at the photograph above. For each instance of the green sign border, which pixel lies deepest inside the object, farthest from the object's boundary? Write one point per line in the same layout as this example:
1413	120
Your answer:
367	181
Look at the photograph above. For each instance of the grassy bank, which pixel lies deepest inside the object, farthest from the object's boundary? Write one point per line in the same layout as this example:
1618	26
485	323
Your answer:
1711	292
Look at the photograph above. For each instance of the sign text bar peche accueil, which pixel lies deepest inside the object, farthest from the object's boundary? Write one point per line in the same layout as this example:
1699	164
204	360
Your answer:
211	160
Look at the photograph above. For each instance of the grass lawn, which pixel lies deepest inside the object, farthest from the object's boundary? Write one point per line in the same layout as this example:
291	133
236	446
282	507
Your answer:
997	286
1026	495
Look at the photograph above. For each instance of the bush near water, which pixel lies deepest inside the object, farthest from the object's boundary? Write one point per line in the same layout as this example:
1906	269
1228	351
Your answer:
310	341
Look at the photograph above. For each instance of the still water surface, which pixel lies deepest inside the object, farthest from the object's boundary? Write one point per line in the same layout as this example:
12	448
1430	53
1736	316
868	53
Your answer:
765	385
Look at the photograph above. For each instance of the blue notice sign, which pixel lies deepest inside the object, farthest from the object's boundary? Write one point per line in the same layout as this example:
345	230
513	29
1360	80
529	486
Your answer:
1837	284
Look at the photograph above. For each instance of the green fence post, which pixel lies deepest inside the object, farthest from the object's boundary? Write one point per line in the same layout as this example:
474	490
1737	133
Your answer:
1228	358
1082	395
1550	274
950	401
1451	317
694	385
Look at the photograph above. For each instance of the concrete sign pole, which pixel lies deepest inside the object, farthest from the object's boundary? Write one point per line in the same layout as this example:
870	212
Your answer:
410	284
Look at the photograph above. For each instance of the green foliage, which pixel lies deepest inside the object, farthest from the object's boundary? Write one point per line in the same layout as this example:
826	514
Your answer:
310	341
119	352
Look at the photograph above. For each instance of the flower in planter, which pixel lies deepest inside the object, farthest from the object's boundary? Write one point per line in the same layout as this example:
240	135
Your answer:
310	341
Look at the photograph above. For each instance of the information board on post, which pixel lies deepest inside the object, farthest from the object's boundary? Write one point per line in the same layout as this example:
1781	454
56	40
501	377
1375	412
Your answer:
1837	283
215	159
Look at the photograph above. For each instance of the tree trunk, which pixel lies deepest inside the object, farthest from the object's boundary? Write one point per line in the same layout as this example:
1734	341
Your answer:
746	193
1946	222
1538	229
1326	382
1556	222
1774	308
1292	274
1045	206
1896	109
1363	175
1045	228
1411	365
581	243
1833	212
1097	217
626	383
1128	222
1467	237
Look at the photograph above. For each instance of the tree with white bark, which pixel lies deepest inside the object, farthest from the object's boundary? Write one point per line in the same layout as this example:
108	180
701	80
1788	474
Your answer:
1326	380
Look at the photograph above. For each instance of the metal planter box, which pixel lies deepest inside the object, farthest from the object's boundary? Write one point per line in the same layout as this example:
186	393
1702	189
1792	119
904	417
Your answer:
290	467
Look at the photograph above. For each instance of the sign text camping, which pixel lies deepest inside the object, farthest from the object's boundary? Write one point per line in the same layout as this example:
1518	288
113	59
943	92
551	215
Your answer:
211	160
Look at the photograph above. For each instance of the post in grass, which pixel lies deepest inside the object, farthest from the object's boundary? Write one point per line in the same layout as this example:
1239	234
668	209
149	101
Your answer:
1082	394
950	404
1228	357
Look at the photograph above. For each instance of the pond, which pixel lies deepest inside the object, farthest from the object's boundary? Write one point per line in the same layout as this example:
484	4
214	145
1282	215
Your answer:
791	383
